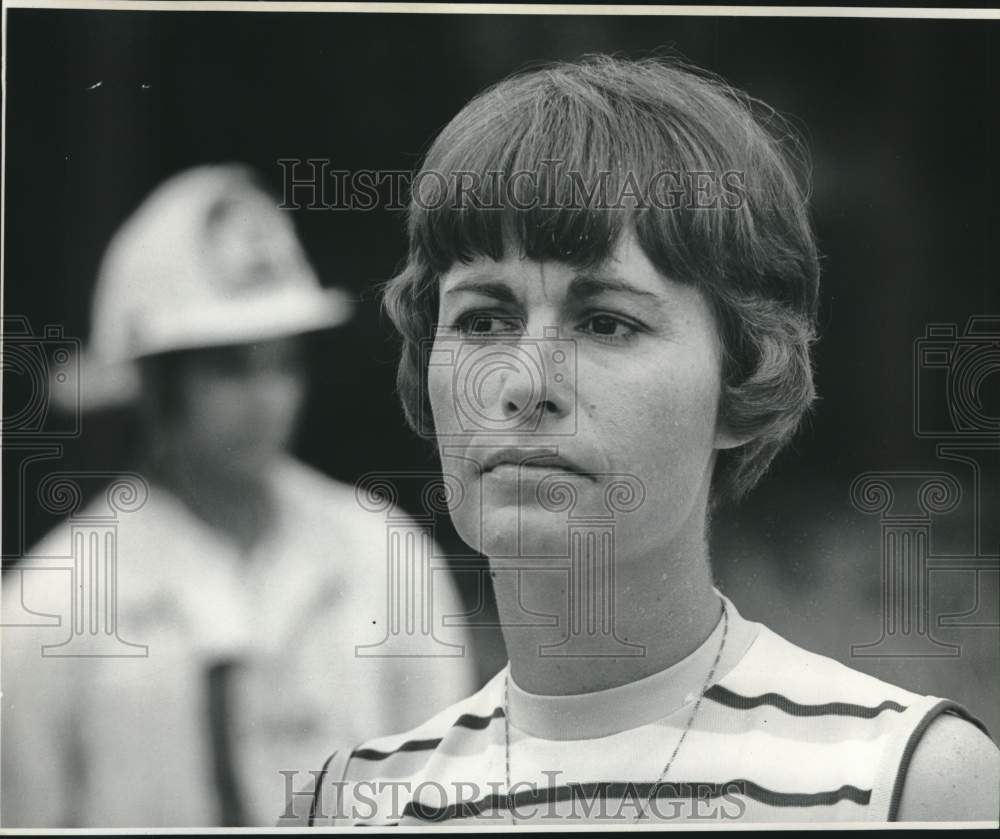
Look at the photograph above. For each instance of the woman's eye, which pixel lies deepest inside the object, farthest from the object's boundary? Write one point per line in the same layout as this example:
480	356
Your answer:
486	324
609	327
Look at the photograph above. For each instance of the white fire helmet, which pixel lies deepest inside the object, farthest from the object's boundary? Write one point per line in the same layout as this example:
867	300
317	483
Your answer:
206	260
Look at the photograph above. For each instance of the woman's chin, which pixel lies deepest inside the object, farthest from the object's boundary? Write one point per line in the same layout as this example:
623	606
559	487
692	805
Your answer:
518	532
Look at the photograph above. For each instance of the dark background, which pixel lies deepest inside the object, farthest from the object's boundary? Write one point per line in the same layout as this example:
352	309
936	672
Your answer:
901	119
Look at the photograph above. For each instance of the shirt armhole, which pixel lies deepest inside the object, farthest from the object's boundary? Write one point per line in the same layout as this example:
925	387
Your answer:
899	751
326	799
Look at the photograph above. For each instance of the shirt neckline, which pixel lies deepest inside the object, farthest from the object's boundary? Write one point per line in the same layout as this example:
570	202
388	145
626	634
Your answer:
602	713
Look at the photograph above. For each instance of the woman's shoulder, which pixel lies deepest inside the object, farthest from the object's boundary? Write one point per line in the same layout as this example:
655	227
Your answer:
775	665
823	710
399	757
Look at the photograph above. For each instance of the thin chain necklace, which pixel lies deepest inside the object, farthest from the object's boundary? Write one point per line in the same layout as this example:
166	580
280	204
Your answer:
654	787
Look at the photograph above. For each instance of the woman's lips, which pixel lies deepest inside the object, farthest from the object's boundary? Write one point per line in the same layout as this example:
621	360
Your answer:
513	471
516	460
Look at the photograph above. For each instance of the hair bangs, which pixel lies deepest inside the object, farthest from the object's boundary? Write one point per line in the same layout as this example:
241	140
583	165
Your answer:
546	174
553	166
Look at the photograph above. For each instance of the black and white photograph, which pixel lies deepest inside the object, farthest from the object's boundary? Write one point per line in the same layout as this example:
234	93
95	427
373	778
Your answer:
498	417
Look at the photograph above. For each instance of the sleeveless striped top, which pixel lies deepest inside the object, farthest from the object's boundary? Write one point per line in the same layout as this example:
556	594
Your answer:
783	735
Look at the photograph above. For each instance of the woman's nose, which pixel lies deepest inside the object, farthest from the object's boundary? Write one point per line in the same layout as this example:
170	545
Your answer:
538	390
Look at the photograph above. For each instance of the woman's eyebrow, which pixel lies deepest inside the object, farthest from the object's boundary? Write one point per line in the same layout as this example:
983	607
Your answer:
589	285
488	288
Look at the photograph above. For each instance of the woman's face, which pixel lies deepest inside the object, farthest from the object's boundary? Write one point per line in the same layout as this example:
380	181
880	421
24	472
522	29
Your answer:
602	375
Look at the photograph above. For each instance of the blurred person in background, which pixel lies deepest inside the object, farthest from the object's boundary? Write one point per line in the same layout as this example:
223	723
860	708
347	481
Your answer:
249	576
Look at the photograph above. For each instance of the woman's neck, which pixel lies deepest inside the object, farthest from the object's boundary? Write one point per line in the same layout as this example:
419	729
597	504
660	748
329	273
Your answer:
663	601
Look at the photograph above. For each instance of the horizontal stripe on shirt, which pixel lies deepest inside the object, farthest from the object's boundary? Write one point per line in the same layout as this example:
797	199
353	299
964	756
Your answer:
473	722
730	699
